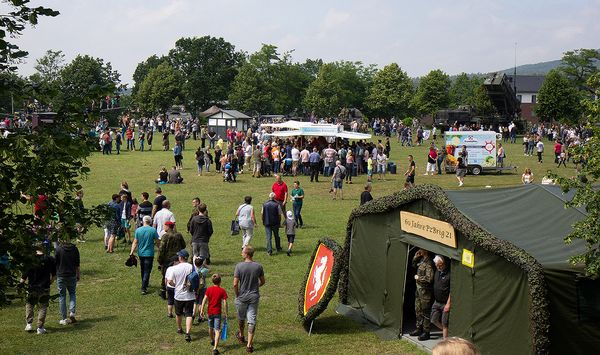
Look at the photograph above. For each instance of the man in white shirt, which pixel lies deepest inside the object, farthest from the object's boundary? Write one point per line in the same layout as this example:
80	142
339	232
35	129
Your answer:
184	298
162	216
295	159
304	154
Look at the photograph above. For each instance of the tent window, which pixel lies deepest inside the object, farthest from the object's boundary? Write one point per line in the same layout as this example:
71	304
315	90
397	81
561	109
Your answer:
588	300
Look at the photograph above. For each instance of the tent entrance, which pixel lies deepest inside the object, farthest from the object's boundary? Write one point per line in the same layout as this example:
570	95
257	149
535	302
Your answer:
408	308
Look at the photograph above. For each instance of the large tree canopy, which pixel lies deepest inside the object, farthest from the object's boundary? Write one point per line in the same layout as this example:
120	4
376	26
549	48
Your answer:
160	90
143	68
433	93
391	93
558	99
578	65
208	66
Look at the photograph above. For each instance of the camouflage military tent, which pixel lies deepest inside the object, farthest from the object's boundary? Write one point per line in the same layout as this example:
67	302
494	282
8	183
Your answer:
520	296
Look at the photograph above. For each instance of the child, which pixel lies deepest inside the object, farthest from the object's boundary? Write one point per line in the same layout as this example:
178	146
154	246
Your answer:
216	297
170	289
202	270
290	230
134	210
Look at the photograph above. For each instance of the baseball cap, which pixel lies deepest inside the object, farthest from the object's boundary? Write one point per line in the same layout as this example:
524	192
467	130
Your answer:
169	223
183	253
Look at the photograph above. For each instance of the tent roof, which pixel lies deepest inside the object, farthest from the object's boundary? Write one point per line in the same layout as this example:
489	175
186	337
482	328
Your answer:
532	217
211	111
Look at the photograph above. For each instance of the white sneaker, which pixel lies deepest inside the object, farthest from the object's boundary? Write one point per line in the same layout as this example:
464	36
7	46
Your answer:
41	330
28	327
63	322
460	184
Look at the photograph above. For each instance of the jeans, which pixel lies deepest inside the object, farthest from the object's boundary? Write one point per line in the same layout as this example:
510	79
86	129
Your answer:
64	284
141	146
297	215
272	230
146	268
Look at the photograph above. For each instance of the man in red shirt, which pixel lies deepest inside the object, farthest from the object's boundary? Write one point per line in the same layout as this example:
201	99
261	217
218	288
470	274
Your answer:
281	191
216	297
557	150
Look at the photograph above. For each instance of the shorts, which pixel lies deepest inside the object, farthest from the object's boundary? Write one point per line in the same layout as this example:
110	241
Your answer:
200	295
184	308
381	169
430	166
437	311
125	223
201	249
410	179
337	184
247	311
461	172
170	296
214	322
291	238
370	172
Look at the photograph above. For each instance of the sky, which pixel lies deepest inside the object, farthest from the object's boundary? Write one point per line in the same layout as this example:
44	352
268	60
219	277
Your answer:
453	35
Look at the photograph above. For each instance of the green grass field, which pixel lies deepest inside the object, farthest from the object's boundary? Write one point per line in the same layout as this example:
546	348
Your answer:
115	318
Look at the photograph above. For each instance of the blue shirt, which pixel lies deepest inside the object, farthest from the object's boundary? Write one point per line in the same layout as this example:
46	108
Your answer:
314	157
145	236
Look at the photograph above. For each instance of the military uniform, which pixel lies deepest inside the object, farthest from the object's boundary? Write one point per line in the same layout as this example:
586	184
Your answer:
171	243
424	294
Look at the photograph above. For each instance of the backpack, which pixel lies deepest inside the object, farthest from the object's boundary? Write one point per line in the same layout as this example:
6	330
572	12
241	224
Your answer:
342	172
192	281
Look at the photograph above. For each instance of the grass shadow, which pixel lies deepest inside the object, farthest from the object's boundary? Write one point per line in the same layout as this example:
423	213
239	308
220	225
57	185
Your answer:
82	324
335	324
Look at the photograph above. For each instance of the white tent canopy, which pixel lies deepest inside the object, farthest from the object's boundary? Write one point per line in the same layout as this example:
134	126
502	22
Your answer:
310	129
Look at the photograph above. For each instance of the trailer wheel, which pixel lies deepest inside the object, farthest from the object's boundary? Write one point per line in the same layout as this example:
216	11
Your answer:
476	170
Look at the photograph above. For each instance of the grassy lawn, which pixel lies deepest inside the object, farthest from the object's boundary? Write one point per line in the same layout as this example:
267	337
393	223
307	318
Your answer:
115	318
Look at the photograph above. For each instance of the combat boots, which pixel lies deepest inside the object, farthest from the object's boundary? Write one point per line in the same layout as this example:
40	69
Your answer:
417	332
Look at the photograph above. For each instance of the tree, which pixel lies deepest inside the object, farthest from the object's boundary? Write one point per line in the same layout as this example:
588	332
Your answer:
462	90
12	91
432	93
481	101
50	65
46	163
85	80
208	66
579	65
144	68
249	91
391	92
160	90
338	85
558	99
12	25
585	185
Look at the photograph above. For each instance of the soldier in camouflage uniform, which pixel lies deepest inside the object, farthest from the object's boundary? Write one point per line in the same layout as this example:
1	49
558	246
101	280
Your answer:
171	243
424	294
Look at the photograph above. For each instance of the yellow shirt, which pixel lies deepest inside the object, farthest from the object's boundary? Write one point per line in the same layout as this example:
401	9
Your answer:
370	163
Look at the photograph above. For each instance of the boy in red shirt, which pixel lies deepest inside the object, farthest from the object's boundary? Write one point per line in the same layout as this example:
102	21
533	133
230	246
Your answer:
216	297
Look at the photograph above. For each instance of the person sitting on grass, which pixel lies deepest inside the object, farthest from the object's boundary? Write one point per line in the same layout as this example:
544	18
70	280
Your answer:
175	176
163	176
216	299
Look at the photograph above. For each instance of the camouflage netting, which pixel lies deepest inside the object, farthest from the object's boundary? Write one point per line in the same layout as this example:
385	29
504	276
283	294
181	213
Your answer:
539	317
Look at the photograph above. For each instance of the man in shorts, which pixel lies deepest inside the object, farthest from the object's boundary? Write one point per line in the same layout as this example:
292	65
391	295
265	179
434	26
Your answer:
337	179
184	297
247	278
216	298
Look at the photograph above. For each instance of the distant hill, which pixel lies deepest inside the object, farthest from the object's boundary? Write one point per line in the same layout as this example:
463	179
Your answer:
541	68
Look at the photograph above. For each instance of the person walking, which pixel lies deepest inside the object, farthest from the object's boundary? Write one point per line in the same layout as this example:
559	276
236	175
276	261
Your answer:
146	238
290	225
162	216
366	196
201	230
271	218
461	171
39	279
337	179
281	191
246	219
184	296
216	299
248	277
297	201
431	161
67	272
171	242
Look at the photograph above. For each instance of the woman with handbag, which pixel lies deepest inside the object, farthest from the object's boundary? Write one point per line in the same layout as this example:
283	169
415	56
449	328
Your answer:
246	219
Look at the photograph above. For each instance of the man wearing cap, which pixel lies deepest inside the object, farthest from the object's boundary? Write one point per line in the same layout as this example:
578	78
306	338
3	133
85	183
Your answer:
171	242
184	298
271	218
281	191
145	239
163	216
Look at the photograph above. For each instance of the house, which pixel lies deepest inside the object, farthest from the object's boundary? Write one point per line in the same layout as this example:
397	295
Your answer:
220	120
528	87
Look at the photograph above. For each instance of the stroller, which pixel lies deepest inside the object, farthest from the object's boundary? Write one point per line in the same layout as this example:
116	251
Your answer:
229	173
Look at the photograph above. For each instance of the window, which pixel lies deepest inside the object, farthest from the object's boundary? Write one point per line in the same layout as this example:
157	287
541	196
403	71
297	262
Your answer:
533	99
520	98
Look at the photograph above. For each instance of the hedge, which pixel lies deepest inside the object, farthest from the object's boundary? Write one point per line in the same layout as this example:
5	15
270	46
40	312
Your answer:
539	316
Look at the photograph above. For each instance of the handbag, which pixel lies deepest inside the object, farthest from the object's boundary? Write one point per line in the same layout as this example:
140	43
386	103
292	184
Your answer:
235	227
